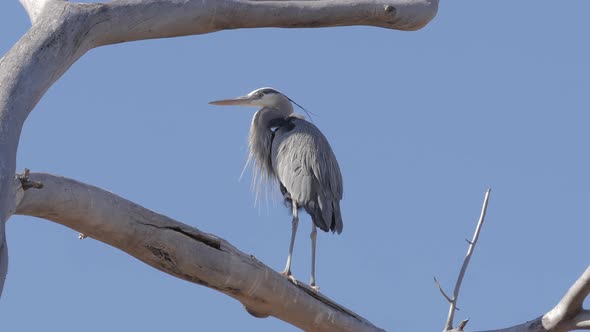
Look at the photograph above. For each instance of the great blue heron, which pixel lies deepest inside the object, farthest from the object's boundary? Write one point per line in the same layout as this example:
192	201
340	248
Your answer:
286	147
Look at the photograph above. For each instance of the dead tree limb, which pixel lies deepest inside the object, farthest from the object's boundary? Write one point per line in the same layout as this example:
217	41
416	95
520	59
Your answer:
453	301
184	252
568	315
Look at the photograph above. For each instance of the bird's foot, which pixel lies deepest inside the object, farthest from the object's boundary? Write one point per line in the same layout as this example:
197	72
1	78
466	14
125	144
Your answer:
82	236
287	273
316	288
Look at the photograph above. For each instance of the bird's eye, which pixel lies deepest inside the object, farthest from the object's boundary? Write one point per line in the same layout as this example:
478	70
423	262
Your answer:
259	95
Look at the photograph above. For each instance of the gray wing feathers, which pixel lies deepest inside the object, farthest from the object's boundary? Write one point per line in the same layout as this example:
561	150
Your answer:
306	166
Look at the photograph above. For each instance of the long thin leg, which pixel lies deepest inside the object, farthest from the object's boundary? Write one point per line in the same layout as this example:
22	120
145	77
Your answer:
287	271
313	236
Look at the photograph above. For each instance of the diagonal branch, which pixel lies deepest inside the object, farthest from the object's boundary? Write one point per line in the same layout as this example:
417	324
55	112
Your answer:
572	301
472	243
185	252
567	315
448	298
569	312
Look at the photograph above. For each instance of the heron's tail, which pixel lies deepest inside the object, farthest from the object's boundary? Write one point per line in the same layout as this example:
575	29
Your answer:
326	214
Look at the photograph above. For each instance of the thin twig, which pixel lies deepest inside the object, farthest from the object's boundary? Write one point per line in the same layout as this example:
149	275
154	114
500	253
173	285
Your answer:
461	325
473	242
442	291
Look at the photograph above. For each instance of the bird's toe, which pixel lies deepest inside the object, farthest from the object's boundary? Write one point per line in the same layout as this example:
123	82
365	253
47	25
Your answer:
289	276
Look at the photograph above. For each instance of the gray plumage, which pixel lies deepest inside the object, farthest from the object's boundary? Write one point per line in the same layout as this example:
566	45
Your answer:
286	149
306	167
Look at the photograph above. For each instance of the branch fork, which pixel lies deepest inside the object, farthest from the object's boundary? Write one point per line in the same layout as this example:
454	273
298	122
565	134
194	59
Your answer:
569	314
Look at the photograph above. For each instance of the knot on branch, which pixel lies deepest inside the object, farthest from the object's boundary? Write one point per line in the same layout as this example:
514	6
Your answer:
390	10
26	183
255	313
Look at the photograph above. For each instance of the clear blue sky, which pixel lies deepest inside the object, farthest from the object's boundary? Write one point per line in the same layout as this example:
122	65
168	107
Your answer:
489	94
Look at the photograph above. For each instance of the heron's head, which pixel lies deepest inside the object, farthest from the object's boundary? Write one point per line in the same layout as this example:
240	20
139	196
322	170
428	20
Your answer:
263	97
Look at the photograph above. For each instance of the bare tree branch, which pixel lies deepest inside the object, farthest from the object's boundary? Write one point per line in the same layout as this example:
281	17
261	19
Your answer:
126	20
571	303
472	243
185	252
567	315
448	298
564	316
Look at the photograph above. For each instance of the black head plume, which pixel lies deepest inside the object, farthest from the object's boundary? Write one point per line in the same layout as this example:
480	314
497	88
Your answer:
303	108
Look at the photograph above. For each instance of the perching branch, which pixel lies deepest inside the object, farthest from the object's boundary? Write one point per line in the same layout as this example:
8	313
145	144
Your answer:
472	243
185	252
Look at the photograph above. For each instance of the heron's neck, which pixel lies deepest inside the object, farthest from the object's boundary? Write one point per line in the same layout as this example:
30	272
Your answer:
260	140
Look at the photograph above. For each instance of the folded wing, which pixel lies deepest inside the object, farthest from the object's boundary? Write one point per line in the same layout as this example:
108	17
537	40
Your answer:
308	171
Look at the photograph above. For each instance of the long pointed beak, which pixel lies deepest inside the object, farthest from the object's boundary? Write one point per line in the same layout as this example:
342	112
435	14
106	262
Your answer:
243	101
